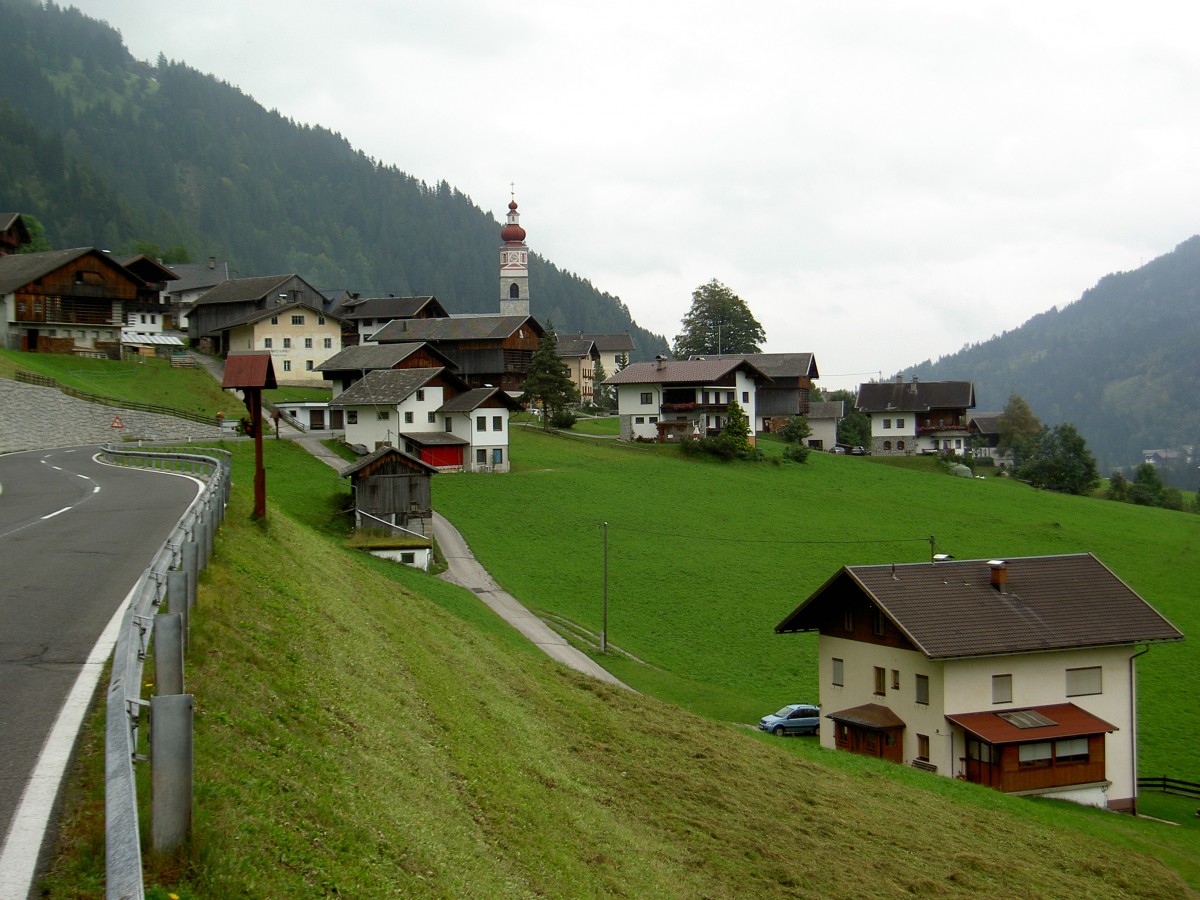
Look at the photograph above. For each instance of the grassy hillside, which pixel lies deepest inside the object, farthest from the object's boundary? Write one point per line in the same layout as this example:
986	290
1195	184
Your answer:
706	558
365	730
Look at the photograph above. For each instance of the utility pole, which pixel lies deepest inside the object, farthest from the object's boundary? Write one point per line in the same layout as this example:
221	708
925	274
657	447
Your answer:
604	615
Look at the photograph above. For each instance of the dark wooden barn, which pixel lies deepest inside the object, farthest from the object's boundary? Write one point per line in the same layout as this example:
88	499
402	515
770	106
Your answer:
392	488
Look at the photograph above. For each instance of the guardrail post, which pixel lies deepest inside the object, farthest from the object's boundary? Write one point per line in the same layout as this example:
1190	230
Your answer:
179	602
205	530
191	565
171	771
168	652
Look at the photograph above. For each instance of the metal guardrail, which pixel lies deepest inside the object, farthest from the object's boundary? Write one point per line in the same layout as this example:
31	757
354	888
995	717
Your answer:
46	381
186	549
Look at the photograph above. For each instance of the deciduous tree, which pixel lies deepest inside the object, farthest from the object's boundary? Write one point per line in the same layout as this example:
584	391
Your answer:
719	321
1016	423
1059	460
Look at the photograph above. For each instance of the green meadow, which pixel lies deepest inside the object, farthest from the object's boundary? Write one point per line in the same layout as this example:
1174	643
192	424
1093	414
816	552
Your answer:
365	730
705	558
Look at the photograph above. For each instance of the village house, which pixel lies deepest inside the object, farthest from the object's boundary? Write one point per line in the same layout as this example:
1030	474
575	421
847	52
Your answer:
490	350
431	414
823	417
580	355
672	399
984	431
394	502
67	301
1017	674
918	417
352	363
366	315
298	335
785	396
193	281
236	300
612	349
13	233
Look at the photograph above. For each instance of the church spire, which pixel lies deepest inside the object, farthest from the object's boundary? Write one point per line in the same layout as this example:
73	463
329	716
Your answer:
514	265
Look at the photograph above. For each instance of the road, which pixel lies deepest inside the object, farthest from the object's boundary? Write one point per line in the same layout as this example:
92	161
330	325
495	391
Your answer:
74	538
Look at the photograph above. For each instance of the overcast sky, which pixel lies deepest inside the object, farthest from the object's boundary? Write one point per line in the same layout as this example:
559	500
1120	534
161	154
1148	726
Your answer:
881	182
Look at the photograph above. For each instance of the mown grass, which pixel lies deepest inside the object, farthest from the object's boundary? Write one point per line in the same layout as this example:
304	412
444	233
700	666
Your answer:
601	425
150	380
356	738
705	558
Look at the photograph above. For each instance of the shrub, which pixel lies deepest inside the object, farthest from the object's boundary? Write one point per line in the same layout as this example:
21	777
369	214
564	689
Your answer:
562	418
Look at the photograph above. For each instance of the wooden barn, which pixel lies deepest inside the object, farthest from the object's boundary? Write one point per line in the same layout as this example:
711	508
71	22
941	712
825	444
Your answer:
392	488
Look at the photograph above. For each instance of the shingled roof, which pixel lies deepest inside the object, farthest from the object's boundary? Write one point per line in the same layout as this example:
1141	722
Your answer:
456	328
469	401
391	308
952	609
684	371
365	357
385	387
915	396
775	365
575	348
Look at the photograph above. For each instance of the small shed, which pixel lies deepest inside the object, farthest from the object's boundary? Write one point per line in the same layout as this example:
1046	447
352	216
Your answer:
392	488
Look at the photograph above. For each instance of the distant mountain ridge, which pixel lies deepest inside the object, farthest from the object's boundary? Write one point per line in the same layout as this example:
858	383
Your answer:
1122	363
106	150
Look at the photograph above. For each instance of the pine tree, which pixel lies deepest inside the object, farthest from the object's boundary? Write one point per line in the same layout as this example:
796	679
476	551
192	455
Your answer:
548	382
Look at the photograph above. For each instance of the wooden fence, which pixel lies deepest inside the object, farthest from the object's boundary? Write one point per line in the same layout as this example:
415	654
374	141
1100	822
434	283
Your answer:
1170	786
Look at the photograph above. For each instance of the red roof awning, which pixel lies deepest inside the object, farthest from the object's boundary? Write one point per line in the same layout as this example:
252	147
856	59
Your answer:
249	370
1065	720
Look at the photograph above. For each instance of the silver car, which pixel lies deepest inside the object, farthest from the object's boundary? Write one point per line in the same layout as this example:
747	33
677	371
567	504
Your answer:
796	718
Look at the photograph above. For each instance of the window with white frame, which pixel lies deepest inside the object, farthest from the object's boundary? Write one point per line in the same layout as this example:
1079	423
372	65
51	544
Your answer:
352	417
880	680
308	343
887	423
408	417
497	423
267	342
308	365
328	343
899	423
481	423
287	343
384	415
1085	681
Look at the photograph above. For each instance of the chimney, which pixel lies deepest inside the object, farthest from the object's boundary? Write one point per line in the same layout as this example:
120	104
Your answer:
999	574
212	262
660	362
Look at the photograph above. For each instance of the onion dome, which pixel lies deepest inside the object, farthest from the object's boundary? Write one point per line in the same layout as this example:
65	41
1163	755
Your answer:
512	233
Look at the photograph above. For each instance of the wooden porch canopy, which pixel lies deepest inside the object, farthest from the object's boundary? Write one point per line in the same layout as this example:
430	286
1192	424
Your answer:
249	370
873	716
1034	723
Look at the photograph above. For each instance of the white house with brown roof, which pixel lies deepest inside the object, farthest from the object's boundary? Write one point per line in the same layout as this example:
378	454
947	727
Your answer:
672	399
432	414
1018	674
918	416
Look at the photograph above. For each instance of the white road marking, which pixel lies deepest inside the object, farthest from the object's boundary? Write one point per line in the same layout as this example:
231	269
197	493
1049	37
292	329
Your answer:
19	855
58	513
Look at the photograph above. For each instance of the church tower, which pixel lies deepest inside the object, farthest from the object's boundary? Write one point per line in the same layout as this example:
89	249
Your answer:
514	266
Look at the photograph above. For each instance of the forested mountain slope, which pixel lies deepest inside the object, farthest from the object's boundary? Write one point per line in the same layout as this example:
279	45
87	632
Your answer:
1122	363
106	151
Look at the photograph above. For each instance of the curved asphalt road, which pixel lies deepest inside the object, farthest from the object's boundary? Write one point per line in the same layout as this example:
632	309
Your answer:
74	538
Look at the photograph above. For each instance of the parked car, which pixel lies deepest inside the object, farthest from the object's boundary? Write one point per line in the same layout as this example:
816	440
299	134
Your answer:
858	451
837	449
796	718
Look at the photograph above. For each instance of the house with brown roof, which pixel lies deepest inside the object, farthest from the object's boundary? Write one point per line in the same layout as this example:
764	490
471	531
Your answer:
238	299
366	315
823	417
352	363
612	348
673	399
66	301
1017	674
298	335
491	351
917	417
13	233
785	396
431	413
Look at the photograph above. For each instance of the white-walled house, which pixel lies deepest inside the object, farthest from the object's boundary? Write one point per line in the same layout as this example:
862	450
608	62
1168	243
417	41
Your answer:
823	417
672	399
1018	674
431	414
918	416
